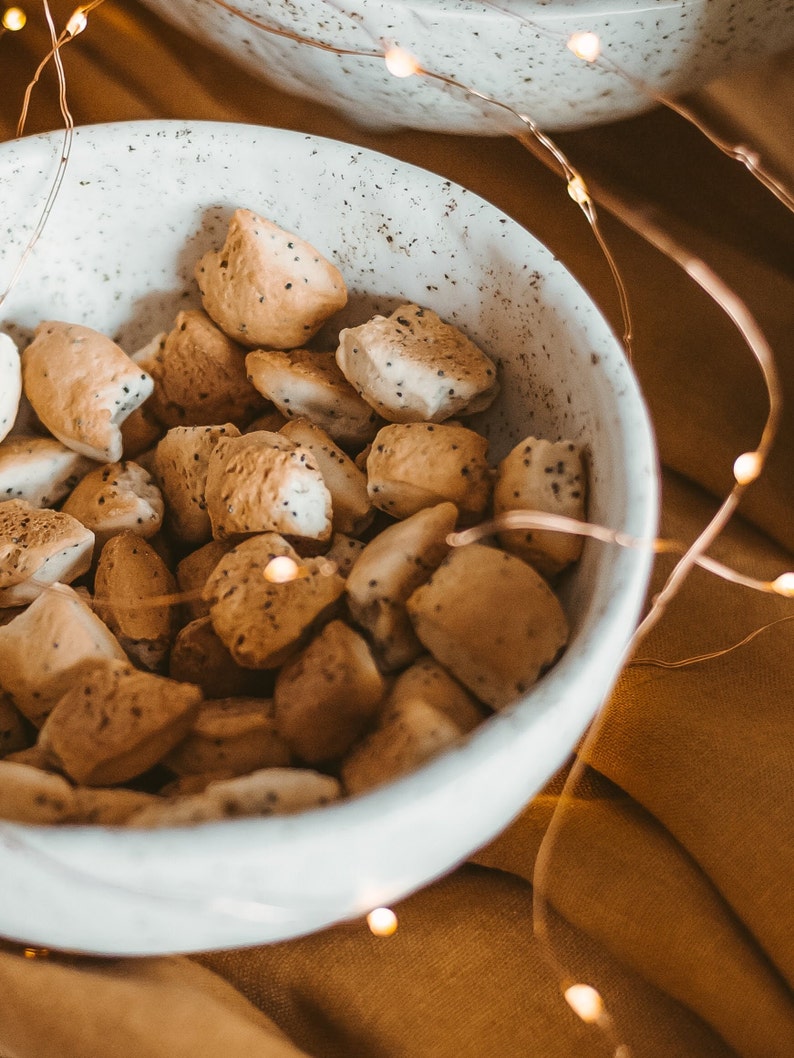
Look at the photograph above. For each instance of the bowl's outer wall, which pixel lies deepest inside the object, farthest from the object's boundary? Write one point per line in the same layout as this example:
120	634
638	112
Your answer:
510	51
139	203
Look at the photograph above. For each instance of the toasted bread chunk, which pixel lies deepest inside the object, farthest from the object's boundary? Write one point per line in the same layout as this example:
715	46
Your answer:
459	615
116	722
307	384
39	470
10	384
416	465
413	367
232	736
191	576
38	548
544	476
266	287
30	795
198	656
82	386
117	497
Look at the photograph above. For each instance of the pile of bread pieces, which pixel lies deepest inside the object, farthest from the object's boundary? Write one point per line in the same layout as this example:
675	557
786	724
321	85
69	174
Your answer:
227	585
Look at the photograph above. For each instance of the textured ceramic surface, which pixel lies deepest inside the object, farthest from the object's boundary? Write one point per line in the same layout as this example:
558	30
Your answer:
140	202
513	51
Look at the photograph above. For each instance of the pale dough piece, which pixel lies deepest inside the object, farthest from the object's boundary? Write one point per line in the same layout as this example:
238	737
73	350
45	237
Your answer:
459	614
269	792
13	735
391	566
350	502
200	376
116	497
414	367
263	622
308	384
428	681
181	461
67	634
116	722
82	386
198	656
407	736
344	552
108	807
416	465
543	476
39	470
29	795
234	736
10	384
130	576
266	287
37	548
327	694
263	482
192	572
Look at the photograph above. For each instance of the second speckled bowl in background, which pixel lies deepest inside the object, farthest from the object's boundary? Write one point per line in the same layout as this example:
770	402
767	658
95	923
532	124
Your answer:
511	51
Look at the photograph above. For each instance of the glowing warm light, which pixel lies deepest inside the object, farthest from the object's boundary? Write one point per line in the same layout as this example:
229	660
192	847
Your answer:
35	953
585	1001
784	585
77	22
747	467
14	18
382	921
401	63
281	569
577	189
586	46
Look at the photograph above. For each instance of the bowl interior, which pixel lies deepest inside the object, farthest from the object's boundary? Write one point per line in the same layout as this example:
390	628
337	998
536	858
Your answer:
140	202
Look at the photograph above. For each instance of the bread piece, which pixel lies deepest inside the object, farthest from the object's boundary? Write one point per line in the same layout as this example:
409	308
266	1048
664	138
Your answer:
417	465
191	576
28	795
542	476
306	384
260	621
491	620
326	696
428	681
198	656
38	548
107	807
13	732
10	384
413	367
230	735
130	582
180	465
269	792
39	470
66	634
391	566
140	432
117	497
407	736
263	482
266	287
200	377
116	722
343	552
352	509
82	386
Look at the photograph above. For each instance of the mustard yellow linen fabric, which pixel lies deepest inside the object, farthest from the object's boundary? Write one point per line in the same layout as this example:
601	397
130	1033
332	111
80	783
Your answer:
660	872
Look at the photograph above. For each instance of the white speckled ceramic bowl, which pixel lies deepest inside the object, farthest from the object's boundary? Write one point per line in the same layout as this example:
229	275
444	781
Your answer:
513	51
139	203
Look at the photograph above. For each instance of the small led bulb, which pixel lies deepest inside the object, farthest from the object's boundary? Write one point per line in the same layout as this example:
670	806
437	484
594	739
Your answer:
784	585
585	1001
14	18
585	46
77	22
400	62
577	189
747	467
382	921
281	569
